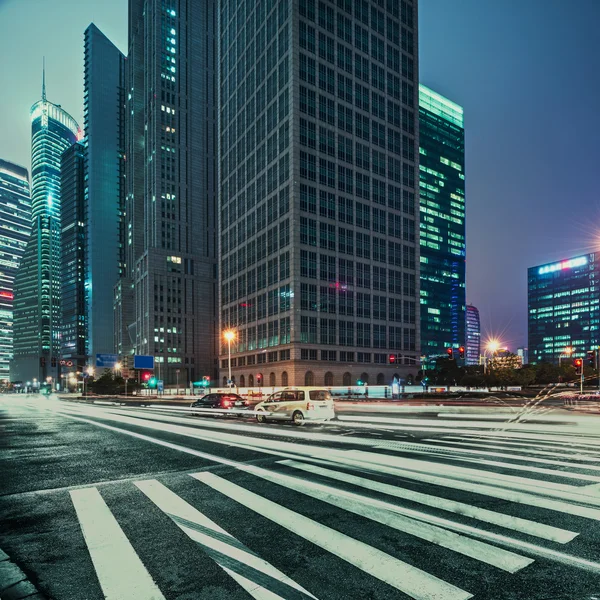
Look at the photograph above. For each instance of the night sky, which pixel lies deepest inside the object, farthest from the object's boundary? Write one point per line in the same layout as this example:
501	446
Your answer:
527	73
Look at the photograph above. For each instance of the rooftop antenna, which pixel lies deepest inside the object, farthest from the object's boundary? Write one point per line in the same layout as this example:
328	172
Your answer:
44	79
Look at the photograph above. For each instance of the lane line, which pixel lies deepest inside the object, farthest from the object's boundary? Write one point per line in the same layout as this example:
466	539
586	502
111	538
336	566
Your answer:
258	577
120	571
540	530
408	579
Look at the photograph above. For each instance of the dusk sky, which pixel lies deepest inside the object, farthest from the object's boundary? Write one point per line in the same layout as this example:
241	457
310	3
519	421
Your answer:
525	71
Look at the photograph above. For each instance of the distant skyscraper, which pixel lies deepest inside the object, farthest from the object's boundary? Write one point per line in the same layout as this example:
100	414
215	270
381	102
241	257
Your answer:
442	228
73	289
165	304
104	89
564	308
523	353
15	226
37	285
473	335
318	173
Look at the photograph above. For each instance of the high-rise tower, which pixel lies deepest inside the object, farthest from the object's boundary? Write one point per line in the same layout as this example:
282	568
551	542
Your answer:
318	159
15	226
442	223
473	335
165	303
37	284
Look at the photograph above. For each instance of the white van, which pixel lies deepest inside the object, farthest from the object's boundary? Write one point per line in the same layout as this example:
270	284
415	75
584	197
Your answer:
297	404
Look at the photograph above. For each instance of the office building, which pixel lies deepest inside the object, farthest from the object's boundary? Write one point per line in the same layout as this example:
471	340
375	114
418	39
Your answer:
523	353
104	111
37	284
74	338
473	336
15	226
318	160
442	223
165	302
563	308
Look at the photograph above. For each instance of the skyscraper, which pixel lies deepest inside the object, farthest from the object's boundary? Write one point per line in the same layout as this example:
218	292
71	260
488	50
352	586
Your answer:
15	226
563	308
104	98
74	330
165	303
318	164
473	335
442	223
37	285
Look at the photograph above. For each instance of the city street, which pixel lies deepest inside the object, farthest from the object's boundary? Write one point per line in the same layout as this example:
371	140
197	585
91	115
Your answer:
143	503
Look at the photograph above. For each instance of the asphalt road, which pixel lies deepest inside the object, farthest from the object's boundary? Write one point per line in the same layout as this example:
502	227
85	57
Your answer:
141	504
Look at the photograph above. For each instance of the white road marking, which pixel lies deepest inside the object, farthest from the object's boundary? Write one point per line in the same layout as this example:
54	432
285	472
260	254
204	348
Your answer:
120	571
403	519
540	530
216	541
404	577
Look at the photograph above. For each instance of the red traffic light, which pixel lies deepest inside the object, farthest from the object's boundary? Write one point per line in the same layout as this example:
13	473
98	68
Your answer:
146	376
449	352
461	352
392	358
578	362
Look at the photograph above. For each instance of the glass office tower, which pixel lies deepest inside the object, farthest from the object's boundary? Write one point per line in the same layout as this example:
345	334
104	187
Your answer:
473	330
165	303
563	308
318	163
37	285
104	111
442	223
74	336
15	226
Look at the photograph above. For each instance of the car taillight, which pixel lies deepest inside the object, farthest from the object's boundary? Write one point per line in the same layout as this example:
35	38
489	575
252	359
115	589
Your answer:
310	406
226	403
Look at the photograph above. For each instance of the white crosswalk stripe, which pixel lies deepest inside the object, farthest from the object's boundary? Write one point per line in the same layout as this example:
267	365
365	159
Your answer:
239	562
120	571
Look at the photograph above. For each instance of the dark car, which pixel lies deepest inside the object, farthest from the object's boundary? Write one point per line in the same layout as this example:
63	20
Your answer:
220	401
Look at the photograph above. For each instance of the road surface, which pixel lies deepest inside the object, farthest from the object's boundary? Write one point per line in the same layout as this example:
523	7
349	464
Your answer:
140	504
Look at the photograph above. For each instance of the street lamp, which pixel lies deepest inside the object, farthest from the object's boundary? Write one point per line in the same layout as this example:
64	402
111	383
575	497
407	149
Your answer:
491	348
229	335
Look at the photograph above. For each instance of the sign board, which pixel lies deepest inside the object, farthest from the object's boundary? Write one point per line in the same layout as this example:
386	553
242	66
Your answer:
106	361
160	386
143	362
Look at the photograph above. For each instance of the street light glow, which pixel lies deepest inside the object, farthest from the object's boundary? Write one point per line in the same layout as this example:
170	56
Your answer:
229	335
493	345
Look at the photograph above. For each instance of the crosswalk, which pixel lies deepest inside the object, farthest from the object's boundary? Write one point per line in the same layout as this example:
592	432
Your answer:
496	540
486	513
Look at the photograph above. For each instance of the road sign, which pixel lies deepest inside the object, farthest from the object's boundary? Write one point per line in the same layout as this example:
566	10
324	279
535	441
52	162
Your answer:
160	386
106	361
143	362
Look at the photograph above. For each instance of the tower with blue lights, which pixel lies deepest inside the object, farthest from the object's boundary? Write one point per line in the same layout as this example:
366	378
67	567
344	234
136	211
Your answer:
442	223
38	282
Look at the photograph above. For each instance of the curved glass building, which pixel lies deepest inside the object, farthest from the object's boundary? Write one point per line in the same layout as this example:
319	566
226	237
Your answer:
15	225
37	285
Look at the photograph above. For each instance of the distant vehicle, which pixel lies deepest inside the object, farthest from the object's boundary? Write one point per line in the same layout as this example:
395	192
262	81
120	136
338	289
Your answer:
297	405
221	401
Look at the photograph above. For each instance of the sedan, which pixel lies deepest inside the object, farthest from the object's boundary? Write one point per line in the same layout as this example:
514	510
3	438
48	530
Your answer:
220	401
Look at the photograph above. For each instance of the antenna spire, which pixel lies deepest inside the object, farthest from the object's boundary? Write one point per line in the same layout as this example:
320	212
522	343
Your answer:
44	79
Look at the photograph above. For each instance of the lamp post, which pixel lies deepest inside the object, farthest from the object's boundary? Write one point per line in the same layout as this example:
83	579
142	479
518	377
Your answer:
229	335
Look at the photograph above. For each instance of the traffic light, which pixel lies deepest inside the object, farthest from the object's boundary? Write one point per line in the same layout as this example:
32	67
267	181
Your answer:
42	361
461	352
578	364
152	382
450	353
259	379
146	376
591	358
360	382
393	359
53	361
205	381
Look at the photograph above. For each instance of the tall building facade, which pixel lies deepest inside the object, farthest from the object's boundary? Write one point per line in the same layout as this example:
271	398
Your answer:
37	284
442	223
165	302
473	336
15	227
563	308
104	113
318	159
74	330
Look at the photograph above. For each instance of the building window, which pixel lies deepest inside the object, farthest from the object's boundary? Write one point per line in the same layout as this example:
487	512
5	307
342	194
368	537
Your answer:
329	378
346	378
309	378
284	379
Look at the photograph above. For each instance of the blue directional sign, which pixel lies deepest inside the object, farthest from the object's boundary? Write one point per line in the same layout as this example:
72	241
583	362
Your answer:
160	387
143	362
106	361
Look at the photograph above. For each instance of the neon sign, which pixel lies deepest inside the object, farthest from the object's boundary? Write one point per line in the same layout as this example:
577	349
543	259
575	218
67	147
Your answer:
564	264
8	295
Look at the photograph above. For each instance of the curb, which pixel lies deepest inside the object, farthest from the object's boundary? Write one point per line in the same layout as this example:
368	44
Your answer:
14	584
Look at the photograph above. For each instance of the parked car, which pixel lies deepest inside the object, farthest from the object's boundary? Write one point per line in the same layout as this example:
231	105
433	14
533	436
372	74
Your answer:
219	400
297	405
